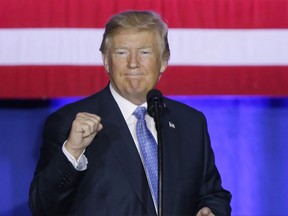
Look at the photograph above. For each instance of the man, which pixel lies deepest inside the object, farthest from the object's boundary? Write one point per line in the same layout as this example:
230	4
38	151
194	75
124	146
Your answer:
91	160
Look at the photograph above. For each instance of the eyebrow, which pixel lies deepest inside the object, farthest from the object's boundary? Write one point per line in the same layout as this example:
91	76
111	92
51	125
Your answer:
124	47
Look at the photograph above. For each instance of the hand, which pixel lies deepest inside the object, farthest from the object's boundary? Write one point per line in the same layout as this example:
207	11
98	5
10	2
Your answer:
84	128
205	212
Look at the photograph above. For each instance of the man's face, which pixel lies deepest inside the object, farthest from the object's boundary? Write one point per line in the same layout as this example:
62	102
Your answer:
134	63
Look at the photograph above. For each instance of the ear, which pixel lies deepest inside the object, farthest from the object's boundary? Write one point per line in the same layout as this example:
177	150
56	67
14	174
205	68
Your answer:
105	60
163	66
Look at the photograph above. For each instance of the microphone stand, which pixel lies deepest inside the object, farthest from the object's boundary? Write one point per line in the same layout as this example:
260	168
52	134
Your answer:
160	160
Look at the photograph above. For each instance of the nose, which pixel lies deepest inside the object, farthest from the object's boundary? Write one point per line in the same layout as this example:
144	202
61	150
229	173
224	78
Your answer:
133	60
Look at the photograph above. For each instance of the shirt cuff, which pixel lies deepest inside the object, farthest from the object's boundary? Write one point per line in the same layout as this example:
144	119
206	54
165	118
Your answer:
80	164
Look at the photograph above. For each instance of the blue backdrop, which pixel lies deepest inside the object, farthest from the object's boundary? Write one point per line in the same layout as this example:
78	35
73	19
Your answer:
248	137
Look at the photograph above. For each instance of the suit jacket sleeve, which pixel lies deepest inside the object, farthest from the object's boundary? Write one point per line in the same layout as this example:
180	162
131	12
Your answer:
55	179
212	194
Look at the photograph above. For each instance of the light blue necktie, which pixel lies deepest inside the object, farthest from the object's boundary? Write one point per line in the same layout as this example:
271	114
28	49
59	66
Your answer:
149	151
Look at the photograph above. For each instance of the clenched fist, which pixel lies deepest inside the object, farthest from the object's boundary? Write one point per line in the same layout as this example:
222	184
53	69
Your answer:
84	128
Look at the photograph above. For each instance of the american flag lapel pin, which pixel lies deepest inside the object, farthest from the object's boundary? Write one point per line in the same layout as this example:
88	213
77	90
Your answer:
171	125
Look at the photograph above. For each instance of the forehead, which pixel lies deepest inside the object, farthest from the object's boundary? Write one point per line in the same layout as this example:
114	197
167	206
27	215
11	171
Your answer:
133	37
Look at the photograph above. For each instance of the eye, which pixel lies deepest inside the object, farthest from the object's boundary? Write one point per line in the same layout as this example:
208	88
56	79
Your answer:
145	52
121	52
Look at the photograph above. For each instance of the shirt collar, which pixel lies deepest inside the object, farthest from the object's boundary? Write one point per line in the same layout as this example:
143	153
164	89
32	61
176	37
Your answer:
127	108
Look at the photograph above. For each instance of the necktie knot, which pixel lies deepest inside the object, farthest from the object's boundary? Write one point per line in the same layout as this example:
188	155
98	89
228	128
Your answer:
140	113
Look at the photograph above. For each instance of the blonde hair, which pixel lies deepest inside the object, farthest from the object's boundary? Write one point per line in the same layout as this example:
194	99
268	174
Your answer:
138	20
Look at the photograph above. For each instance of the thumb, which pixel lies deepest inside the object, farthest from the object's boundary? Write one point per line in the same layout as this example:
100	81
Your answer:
204	212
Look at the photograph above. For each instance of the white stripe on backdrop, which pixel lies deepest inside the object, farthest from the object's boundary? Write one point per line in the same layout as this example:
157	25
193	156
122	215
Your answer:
78	46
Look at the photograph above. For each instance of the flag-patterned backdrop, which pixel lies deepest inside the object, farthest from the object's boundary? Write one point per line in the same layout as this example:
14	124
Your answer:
51	48
229	59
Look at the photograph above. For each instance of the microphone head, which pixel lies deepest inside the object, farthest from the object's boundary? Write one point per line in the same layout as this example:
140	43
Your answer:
156	106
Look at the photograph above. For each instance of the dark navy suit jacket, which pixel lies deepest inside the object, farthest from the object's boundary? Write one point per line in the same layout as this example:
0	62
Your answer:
114	183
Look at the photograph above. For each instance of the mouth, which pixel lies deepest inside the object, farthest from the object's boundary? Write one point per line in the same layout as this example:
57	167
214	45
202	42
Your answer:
134	74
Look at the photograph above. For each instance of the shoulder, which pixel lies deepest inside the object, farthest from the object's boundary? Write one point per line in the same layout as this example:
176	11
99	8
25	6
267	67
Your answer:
175	107
184	113
93	104
90	104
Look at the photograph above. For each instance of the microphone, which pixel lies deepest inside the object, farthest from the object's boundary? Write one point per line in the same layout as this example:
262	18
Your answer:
156	106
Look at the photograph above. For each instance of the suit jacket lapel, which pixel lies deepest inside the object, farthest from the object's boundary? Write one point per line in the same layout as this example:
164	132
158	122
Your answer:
128	156
170	160
125	150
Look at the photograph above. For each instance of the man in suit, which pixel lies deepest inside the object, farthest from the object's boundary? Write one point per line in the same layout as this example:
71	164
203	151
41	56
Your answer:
91	160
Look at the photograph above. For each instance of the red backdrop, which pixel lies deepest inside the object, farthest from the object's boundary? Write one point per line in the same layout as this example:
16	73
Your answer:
24	80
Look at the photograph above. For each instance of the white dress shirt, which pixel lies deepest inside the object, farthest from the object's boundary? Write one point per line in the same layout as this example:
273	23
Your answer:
127	108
